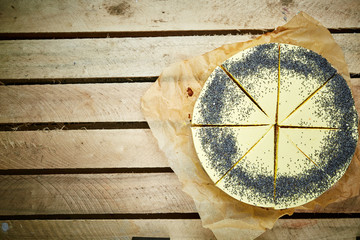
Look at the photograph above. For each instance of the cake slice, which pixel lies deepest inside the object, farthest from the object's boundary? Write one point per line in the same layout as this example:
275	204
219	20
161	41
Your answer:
331	150
219	148
330	106
255	69
302	72
298	179
251	180
222	102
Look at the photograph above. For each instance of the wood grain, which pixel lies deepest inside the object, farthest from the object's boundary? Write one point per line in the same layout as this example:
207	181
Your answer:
174	229
121	57
106	229
112	57
313	229
123	16
93	193
124	193
80	102
355	87
72	103
350	44
124	148
105	194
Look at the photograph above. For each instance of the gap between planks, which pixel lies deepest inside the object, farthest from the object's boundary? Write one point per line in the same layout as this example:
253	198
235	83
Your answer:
37	81
141	34
106	170
47	126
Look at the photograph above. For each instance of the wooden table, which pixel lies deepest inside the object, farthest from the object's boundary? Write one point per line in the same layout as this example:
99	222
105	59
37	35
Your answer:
77	158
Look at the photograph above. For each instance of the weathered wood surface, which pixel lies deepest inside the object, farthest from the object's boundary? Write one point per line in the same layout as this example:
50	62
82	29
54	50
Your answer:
122	193
355	88
112	57
80	102
350	45
93	193
121	57
125	16
175	229
61	60
75	149
297	229
72	103
106	229
123	148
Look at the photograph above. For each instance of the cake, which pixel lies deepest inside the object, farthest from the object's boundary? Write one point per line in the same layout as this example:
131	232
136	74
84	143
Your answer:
275	126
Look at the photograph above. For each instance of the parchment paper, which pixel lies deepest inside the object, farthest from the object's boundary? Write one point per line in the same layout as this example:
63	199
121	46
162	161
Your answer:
168	106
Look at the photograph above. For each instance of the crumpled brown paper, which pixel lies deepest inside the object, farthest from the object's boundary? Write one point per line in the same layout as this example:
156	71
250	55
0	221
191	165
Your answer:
168	105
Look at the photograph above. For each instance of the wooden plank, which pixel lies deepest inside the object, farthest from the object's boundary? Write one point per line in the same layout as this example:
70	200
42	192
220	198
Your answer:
106	229
92	148
105	194
174	229
80	102
121	57
355	87
124	148
344	206
111	57
72	103
93	193
313	229
100	15
350	44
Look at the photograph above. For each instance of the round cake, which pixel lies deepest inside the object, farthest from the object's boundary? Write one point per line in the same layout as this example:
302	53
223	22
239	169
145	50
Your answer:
275	126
